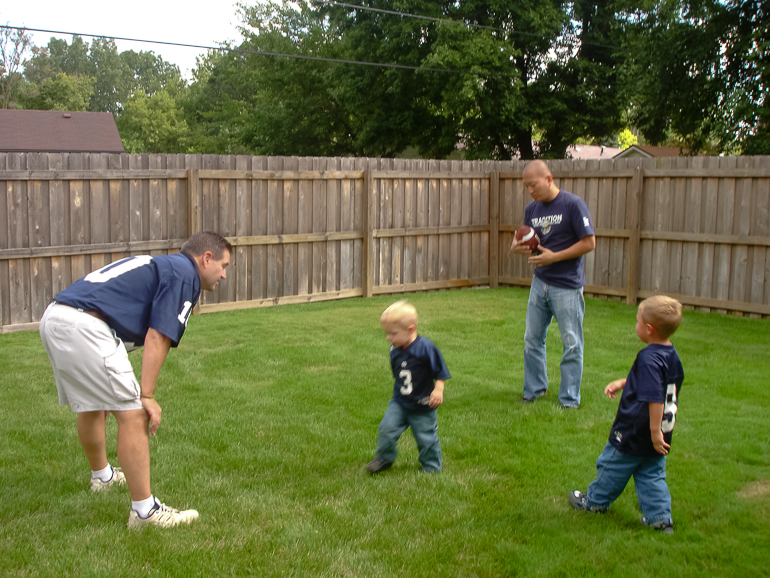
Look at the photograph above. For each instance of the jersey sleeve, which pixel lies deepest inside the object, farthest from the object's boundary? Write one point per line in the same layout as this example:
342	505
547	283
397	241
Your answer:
581	219
651	380
437	365
171	309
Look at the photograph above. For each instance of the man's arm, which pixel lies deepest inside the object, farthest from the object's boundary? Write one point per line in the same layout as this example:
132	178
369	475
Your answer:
546	257
156	346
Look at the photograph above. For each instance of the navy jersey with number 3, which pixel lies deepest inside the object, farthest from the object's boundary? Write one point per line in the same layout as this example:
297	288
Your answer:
138	293
655	377
416	367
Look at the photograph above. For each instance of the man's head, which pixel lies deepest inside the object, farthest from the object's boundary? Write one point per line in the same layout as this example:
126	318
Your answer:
399	321
211	252
660	313
539	182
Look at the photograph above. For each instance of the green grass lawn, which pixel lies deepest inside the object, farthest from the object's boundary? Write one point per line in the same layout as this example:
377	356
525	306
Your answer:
270	415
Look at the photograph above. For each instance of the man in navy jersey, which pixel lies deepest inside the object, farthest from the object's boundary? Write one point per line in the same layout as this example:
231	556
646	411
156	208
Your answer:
420	372
640	437
138	301
566	233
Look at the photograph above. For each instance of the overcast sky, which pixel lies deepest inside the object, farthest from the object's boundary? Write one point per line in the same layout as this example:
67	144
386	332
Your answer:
186	22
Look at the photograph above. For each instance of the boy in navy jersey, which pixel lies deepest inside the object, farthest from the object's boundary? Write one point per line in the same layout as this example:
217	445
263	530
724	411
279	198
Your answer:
640	437
138	301
420	372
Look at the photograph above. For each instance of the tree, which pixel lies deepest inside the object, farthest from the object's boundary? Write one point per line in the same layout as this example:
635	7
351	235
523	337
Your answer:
522	69
116	76
698	74
14	46
63	92
153	124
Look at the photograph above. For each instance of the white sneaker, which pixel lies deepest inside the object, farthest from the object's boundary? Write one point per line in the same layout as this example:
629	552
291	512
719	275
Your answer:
163	516
118	479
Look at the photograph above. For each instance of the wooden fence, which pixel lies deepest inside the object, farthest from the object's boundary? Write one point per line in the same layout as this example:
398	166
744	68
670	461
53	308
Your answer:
311	229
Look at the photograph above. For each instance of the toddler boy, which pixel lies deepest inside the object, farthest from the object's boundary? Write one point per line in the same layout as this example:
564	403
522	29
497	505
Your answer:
640	437
420	372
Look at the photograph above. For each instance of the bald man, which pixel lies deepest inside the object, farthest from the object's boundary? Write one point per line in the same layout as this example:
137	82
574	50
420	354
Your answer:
564	225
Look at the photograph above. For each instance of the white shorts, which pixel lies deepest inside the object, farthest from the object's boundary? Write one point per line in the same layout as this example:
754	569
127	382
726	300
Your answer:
90	363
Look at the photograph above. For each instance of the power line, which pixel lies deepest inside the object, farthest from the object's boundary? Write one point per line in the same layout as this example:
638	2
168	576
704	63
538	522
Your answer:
447	21
265	53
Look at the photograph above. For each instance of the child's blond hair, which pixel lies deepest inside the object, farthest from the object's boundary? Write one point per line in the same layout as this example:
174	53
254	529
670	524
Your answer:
663	313
401	313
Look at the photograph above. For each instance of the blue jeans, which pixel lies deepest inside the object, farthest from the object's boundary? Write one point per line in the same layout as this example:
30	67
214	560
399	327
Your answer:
615	469
568	306
424	427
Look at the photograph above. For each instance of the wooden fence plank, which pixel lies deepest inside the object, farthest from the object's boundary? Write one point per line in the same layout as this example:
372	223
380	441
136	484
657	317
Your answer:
259	227
275	227
692	224
760	225
723	254
319	225
243	220
739	272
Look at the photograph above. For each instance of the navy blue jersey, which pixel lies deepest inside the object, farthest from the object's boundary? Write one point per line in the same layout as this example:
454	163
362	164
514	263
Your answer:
140	292
655	377
560	224
416	367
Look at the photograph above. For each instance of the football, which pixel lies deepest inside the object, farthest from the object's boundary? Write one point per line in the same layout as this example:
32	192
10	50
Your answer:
526	235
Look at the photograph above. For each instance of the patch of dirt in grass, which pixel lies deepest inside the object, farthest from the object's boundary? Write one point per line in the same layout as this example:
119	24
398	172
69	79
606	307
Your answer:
755	490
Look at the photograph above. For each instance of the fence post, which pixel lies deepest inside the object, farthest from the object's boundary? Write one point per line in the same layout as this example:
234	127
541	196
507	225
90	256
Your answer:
367	249
195	220
634	240
494	228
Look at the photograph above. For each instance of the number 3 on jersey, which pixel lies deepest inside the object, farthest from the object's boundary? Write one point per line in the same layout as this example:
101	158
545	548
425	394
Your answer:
406	375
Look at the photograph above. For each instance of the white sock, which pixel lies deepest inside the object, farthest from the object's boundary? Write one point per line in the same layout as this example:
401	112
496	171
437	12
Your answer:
143	507
104	475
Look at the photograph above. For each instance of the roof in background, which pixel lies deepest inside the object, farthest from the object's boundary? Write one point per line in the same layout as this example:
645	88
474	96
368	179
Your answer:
58	131
650	152
591	152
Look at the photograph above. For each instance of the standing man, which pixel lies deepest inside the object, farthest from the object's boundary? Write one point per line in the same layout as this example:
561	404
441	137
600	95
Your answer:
138	301
566	233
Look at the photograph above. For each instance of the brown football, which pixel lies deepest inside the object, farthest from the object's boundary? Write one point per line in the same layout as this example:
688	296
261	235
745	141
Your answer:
526	235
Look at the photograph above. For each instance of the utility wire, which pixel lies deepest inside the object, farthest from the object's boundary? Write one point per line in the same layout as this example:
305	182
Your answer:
447	21
264	53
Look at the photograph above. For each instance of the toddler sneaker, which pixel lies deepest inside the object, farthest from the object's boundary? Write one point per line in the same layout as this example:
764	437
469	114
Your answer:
378	465
163	516
118	479
661	525
579	501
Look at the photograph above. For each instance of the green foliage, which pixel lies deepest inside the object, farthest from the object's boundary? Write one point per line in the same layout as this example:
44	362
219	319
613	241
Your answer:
698	72
15	45
117	76
153	124
523	73
61	92
269	416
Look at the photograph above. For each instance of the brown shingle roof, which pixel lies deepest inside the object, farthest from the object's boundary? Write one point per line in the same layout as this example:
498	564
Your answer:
58	131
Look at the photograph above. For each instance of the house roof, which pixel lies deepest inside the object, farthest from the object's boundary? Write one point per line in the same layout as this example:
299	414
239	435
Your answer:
58	131
650	152
591	152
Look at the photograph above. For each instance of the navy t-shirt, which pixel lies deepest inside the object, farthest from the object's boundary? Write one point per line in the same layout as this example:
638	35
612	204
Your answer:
140	292
655	377
560	224
416	367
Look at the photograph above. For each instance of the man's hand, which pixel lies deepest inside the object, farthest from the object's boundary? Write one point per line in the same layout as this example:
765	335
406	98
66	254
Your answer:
520	248
153	410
